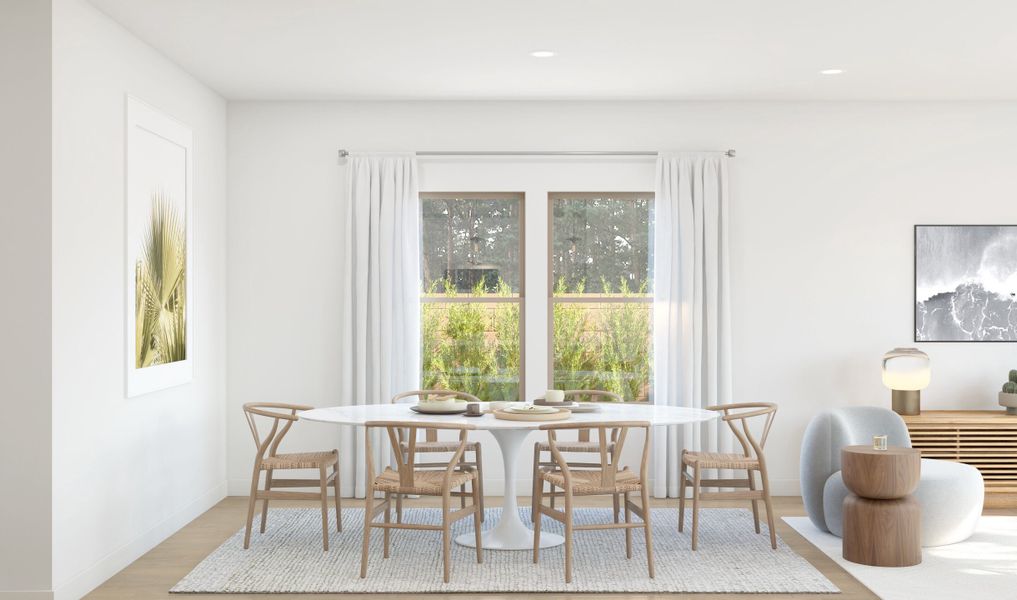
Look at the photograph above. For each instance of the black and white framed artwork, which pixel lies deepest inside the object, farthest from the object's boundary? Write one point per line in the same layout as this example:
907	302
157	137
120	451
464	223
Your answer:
966	283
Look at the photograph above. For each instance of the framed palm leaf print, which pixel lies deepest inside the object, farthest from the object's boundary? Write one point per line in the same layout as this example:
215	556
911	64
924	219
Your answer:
159	249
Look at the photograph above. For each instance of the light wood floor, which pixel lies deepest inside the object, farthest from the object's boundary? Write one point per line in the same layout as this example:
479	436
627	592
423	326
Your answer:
157	571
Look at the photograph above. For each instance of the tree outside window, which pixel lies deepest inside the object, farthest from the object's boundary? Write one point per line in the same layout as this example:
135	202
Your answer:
601	292
471	302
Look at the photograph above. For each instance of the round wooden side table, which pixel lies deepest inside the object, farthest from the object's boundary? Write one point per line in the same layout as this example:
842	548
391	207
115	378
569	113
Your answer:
882	522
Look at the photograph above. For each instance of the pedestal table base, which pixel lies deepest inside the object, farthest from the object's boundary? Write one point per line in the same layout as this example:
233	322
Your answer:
510	533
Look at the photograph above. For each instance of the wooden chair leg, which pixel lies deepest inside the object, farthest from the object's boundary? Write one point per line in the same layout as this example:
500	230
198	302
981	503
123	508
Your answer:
614	499
399	508
338	499
477	520
647	526
536	482
755	506
537	518
388	519
767	501
324	506
695	505
681	499
368	502
568	536
480	480
446	543
264	503
462	488
628	530
250	507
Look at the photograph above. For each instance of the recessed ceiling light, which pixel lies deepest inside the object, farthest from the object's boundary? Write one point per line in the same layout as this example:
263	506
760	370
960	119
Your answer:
542	54
831	71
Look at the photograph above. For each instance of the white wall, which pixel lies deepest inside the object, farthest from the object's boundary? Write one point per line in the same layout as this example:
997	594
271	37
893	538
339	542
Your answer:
126	472
25	526
825	198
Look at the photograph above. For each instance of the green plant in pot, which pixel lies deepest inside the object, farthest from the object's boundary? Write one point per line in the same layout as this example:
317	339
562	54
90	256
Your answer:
1008	397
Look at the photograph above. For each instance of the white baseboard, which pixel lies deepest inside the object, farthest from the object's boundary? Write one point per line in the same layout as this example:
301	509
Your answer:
785	487
778	487
27	595
238	487
115	561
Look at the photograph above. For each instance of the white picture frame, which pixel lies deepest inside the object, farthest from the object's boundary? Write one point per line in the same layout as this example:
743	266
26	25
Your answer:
158	201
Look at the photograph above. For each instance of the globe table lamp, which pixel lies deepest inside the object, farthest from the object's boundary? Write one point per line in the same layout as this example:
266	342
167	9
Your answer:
906	372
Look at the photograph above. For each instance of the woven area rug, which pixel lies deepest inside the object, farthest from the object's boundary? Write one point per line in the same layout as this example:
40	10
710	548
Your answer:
287	558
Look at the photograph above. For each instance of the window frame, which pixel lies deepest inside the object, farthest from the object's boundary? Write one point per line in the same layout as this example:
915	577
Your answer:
590	298
518	299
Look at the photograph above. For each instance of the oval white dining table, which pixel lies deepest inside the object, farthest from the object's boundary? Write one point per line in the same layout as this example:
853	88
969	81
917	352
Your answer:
509	533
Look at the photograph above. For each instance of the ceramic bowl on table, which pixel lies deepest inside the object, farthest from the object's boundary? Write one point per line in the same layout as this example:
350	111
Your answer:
439	405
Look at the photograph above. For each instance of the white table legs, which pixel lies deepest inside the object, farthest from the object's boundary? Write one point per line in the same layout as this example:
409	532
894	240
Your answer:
510	533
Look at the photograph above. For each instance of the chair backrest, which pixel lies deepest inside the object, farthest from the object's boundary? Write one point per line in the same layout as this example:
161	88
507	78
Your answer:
831	430
583	435
430	435
607	432
592	396
276	412
738	416
405	460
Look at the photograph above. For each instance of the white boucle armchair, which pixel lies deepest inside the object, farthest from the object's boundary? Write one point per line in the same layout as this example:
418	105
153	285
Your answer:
950	493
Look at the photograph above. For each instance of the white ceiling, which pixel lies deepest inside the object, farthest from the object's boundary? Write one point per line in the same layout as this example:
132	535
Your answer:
607	49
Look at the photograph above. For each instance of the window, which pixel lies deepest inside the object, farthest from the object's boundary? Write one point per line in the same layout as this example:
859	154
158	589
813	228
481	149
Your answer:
471	302
600	292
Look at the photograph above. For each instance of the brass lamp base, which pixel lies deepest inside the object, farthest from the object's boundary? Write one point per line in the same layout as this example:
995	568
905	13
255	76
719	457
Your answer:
906	402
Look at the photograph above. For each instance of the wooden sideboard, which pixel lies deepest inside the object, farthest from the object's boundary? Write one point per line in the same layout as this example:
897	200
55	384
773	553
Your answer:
986	439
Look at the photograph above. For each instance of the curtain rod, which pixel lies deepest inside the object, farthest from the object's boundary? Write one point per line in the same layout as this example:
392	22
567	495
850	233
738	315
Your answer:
727	153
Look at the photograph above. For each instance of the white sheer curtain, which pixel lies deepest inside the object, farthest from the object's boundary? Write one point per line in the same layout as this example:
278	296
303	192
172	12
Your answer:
692	323
380	332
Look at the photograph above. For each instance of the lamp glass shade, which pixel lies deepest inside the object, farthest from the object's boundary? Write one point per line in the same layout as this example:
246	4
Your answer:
906	369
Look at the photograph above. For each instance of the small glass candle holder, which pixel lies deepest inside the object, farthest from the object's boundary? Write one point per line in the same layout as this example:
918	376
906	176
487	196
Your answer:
879	442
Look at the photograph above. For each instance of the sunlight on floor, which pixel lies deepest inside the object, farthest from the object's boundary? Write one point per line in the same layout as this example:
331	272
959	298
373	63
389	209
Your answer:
985	563
991	551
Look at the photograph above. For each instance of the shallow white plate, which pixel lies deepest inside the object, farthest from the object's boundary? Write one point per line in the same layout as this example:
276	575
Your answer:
531	409
580	407
541	402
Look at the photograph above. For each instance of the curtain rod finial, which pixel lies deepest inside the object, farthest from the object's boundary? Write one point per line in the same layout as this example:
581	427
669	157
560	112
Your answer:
343	154
730	153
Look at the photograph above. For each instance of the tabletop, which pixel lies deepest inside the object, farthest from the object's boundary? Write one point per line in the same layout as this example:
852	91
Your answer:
890	451
655	414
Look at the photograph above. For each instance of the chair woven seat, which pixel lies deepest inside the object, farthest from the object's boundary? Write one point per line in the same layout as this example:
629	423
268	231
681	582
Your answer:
720	460
424	482
268	461
412	477
430	444
581	445
592	477
301	460
751	460
589	481
574	447
449	446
